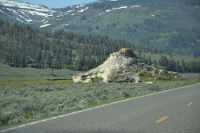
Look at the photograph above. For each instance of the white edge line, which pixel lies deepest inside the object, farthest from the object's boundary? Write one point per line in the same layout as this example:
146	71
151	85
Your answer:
60	116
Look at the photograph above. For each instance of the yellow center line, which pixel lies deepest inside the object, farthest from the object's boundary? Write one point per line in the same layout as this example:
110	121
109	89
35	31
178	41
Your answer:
190	103
162	119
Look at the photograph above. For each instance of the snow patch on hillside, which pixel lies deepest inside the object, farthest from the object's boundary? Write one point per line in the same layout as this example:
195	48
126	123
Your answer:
2	11
65	24
46	22
135	6
9	3
83	9
70	11
26	13
29	20
44	25
80	6
101	13
123	7
40	14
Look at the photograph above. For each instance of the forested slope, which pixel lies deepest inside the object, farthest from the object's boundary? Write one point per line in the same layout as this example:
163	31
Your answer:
168	25
22	46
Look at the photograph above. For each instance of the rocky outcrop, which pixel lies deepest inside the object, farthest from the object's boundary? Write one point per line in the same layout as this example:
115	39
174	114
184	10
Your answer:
122	66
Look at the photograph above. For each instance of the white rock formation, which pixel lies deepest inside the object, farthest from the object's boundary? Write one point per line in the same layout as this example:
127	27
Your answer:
122	66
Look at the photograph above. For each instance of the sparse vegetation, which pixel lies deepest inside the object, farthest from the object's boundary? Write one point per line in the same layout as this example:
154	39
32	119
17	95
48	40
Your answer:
146	76
167	77
22	104
118	76
22	83
96	79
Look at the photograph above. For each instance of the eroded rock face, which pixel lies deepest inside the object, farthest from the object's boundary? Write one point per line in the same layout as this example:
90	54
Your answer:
126	52
122	66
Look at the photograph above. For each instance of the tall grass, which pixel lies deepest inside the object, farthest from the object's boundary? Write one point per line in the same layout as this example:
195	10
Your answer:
34	82
13	73
34	102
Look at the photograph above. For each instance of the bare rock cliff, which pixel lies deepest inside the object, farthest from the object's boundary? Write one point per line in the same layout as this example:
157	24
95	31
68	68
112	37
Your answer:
122	66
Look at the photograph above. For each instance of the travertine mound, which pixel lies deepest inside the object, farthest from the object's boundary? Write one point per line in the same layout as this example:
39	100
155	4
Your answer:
122	66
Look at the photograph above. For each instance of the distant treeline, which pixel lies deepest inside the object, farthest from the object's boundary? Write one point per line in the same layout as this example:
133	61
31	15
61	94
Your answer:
22	46
171	64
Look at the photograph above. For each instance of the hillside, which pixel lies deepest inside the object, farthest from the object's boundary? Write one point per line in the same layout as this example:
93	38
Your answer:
22	46
171	26
25	13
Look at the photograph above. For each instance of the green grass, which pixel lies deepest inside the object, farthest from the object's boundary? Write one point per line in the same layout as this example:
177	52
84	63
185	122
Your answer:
34	82
13	73
174	57
96	79
4	19
11	76
146	76
22	104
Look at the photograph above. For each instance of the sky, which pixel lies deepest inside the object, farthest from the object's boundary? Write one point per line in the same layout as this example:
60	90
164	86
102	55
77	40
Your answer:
57	3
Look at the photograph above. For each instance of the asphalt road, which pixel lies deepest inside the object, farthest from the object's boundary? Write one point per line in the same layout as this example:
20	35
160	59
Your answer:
173	111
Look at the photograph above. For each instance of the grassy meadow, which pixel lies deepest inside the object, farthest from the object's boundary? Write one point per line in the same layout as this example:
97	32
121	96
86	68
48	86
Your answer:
10	76
28	94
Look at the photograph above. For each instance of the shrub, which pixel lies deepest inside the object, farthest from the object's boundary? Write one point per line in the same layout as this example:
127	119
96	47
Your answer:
96	79
125	94
118	76
26	104
4	118
29	114
167	77
146	76
154	87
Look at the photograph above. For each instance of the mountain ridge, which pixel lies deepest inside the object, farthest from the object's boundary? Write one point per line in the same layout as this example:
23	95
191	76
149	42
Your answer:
171	26
24	12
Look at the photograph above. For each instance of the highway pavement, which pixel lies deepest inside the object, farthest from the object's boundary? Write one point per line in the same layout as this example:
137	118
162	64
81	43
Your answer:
172	111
